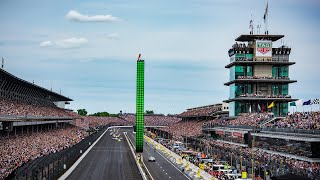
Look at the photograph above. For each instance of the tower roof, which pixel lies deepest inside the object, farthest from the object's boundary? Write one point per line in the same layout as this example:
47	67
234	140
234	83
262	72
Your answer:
251	37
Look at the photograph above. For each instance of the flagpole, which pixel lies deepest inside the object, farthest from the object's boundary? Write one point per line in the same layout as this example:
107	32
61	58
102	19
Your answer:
266	18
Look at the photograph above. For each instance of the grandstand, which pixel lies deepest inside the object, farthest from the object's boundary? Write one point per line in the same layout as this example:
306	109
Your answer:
25	106
33	126
206	112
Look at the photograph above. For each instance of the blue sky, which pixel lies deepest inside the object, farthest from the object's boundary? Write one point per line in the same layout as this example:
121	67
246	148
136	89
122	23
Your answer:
185	45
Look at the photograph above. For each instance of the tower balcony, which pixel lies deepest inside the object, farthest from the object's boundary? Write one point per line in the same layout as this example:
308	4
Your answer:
255	79
266	98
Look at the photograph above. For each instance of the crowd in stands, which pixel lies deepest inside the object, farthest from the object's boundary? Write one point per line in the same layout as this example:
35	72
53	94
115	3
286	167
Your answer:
95	122
285	146
20	149
220	149
206	111
261	77
299	120
232	139
151	120
264	96
245	119
17	108
185	128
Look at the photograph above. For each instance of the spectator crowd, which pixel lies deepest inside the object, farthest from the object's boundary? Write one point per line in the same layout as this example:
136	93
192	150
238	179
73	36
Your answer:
245	119
221	150
20	149
250	95
87	122
10	107
299	120
205	111
184	128
262	77
151	120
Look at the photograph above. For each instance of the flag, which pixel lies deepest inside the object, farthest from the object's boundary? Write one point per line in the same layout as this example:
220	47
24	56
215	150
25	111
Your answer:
250	109
265	14
307	102
271	105
259	107
293	104
316	101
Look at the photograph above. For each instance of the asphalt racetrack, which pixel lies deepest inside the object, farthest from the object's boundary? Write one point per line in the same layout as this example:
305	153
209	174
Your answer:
161	169
108	160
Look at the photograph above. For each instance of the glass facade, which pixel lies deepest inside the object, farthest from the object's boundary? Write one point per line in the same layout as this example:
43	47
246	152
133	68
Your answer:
280	89
280	71
236	107
235	90
236	71
232	73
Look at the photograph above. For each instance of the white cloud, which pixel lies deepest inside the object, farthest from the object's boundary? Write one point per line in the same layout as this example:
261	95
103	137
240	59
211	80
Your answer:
71	42
46	44
113	36
76	16
65	43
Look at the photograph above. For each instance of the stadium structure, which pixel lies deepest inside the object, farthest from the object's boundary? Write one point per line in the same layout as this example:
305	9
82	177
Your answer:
259	75
28	97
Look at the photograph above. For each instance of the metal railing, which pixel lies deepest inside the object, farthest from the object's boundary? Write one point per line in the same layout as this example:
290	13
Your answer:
289	130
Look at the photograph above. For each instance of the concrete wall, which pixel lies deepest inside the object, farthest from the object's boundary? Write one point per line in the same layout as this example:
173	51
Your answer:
262	70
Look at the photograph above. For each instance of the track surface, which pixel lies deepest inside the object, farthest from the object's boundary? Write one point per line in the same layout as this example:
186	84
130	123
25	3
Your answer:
108	159
161	169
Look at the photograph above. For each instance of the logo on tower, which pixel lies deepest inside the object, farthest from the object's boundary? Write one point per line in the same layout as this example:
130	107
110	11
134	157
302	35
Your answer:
263	48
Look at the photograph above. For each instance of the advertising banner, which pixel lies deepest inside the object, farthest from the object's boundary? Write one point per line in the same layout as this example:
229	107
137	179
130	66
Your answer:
237	134
263	48
220	132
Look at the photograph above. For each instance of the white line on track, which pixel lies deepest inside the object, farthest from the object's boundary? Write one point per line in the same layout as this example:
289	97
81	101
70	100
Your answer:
166	160
173	165
69	171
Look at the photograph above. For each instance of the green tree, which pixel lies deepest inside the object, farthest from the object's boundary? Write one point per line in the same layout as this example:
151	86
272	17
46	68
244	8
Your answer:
150	112
101	114
82	112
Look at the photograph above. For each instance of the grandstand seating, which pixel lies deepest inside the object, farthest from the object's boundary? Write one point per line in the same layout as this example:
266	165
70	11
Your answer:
299	120
311	170
151	120
246	119
10	107
206	111
185	128
20	149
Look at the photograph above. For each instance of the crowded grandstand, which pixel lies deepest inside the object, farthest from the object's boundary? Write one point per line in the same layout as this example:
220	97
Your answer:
33	126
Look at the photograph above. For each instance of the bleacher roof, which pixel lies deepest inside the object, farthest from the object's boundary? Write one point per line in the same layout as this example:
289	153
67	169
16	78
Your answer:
207	106
12	78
